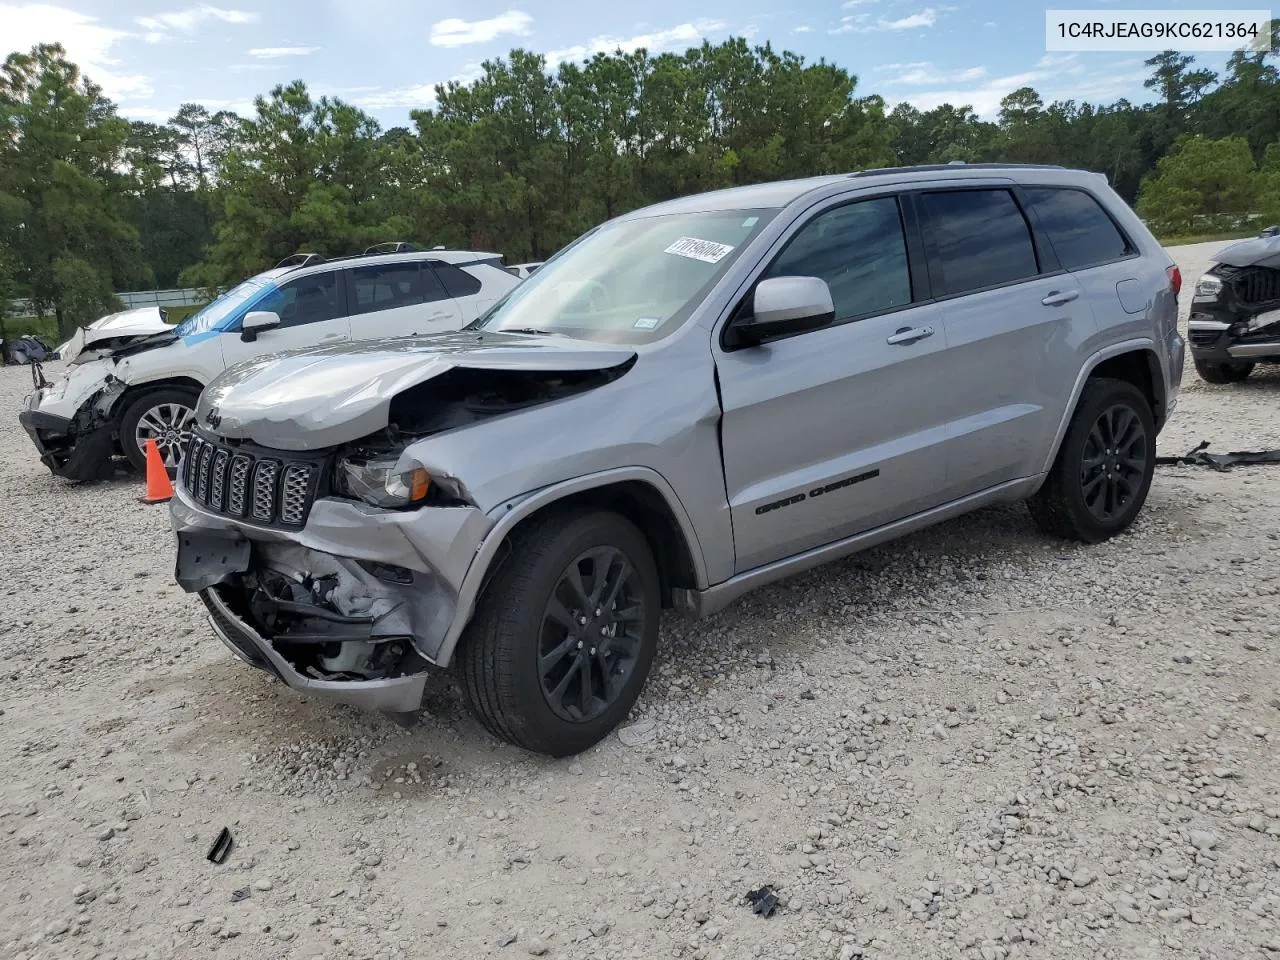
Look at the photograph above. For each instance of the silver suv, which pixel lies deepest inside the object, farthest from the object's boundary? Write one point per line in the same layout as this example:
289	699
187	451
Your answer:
685	403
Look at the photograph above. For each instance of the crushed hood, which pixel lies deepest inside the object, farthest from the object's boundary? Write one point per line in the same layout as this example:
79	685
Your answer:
1254	252
323	396
112	332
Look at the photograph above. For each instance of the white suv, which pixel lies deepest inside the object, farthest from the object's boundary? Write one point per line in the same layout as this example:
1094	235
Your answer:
120	393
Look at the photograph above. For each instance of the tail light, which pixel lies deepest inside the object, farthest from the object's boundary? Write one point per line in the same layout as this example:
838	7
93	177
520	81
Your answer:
1175	280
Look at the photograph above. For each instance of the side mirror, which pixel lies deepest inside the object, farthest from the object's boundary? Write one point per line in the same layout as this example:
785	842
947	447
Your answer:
255	322
784	306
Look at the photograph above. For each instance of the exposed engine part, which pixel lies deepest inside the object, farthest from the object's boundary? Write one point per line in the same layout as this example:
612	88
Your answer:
462	396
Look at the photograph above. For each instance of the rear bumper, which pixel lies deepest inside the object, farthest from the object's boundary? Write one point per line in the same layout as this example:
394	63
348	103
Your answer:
66	451
393	694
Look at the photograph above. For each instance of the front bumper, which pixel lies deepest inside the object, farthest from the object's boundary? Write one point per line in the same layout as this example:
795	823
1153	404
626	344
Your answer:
67	451
357	606
1222	336
392	694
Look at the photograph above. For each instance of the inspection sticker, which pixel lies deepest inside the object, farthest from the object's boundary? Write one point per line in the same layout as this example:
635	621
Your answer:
647	323
708	251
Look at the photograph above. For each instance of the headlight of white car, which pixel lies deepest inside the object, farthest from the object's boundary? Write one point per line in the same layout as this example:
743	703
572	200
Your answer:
377	481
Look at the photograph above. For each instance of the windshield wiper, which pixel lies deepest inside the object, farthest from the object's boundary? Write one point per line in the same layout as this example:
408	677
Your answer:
531	330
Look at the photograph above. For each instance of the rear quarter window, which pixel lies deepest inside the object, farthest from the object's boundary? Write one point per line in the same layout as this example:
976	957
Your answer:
1082	233
456	281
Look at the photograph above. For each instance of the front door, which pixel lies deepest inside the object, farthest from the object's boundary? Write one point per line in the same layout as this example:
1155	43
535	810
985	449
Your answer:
843	429
312	311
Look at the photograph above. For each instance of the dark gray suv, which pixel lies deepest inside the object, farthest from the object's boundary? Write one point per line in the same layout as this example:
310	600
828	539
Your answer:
687	402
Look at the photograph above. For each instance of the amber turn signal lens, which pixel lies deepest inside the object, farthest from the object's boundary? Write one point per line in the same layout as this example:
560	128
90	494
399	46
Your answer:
419	482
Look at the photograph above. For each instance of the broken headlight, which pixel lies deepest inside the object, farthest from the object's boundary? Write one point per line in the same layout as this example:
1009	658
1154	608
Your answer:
1208	287
379	481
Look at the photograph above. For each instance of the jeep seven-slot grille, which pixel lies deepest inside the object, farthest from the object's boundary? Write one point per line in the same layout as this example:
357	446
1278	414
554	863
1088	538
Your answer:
257	486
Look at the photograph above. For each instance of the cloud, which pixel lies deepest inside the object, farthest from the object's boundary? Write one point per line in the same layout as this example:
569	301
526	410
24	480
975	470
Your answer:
1055	77
416	96
272	53
86	39
456	32
803	29
162	26
850	4
859	23
684	35
926	74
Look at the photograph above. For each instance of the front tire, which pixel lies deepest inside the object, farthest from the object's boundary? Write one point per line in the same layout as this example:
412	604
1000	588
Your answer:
164	415
1214	371
1101	476
564	635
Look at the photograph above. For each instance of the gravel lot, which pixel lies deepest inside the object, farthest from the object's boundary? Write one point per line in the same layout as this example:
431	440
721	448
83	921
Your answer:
972	743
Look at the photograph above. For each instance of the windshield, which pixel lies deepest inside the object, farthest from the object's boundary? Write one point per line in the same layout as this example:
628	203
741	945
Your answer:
211	315
632	281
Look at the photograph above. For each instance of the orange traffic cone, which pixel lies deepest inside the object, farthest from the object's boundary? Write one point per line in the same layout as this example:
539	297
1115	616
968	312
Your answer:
159	486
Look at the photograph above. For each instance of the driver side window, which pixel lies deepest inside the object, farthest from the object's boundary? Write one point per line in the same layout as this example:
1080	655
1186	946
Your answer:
860	250
306	300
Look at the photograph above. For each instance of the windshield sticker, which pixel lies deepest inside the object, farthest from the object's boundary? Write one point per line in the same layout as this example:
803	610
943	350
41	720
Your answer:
647	323
708	251
750	221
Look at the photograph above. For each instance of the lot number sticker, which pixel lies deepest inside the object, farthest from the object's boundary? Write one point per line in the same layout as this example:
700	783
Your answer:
708	251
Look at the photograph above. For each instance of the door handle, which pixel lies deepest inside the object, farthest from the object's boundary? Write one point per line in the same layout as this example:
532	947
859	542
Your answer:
909	335
1058	297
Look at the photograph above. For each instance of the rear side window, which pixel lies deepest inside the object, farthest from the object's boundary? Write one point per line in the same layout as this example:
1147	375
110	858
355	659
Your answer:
457	282
977	239
860	250
388	286
1081	232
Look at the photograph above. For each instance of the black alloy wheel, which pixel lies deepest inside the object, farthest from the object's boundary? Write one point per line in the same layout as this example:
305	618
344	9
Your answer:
591	634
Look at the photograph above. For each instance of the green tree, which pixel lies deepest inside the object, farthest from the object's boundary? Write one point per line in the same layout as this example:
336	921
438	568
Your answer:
303	174
1201	185
62	192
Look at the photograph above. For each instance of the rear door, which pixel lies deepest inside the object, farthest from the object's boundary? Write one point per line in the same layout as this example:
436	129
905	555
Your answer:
1013	319
401	299
467	291
839	430
312	311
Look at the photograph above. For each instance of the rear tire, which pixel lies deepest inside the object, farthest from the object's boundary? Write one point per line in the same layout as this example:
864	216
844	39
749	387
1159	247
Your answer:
564	635
158	414
1215	371
1101	476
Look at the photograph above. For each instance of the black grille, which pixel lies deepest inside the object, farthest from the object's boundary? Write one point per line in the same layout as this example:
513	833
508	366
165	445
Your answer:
1205	338
1257	285
262	486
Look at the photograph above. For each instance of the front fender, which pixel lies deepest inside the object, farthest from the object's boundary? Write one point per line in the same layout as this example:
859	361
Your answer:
507	515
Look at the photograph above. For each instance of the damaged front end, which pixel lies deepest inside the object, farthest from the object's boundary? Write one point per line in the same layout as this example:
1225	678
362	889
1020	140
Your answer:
324	625
1235	307
77	447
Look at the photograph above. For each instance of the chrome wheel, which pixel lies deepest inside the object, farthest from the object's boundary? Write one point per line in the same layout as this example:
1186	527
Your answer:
169	425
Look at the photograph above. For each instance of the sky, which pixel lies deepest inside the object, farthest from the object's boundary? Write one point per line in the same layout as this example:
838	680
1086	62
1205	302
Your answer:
386	56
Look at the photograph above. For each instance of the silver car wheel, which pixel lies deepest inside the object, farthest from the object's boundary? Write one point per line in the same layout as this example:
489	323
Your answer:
169	425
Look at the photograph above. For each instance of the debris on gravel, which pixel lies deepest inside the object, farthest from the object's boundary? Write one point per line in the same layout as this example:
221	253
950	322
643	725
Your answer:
973	743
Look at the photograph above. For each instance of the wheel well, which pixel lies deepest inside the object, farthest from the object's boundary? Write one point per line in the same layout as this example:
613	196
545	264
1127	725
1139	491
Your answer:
644	506
132	393
1142	369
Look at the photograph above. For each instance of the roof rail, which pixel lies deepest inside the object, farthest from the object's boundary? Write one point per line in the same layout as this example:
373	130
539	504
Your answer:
390	246
300	260
926	167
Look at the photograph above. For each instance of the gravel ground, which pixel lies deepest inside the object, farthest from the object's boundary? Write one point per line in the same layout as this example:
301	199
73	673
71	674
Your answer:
975	742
